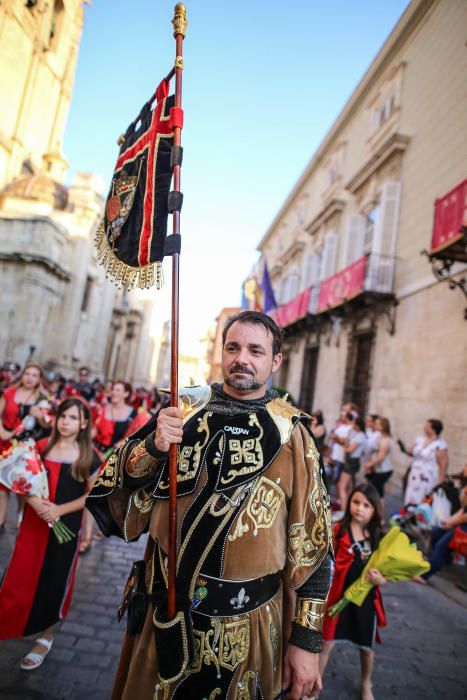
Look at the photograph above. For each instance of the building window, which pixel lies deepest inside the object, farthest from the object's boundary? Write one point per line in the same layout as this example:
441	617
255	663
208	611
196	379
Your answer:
358	372
329	255
371	218
87	294
308	383
387	102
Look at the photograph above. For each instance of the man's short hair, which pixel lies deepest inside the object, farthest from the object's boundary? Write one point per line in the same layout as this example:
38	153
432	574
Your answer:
82	370
258	318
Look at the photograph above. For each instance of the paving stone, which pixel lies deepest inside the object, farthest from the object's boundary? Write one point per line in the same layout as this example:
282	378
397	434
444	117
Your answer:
422	656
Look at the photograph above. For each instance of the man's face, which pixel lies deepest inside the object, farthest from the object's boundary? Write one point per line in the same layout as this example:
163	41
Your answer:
247	360
83	376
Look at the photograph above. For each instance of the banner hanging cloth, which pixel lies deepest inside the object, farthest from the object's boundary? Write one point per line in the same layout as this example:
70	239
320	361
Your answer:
130	239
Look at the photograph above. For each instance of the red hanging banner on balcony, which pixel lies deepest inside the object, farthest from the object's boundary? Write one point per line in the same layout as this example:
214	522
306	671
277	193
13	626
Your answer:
296	309
450	217
342	286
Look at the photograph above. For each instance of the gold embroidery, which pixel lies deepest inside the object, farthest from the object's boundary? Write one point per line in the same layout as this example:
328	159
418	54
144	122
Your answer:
313	454
226	645
235	643
215	693
261	509
184	457
108	476
187	451
301	549
162	691
143	500
248	451
319	503
282	413
243	689
274	637
140	462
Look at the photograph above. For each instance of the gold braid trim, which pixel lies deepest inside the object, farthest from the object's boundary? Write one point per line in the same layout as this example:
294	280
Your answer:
122	274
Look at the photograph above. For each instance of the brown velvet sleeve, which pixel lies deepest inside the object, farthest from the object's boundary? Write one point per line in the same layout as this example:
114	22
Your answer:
309	535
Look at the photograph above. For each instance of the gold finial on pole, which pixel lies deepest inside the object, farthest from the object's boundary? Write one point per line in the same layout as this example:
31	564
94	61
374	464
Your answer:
180	21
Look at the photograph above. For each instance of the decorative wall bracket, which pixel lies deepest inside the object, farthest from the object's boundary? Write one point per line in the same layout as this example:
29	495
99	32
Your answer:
389	311
441	268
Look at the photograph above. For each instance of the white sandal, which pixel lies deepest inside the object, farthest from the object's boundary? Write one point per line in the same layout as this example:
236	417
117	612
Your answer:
34	657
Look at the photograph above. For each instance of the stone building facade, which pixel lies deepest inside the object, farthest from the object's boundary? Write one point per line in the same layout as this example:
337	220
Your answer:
365	318
57	307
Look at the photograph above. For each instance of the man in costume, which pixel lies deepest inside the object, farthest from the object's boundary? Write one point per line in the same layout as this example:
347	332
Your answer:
253	534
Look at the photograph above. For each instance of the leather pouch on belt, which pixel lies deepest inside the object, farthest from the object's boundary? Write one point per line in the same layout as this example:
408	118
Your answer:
135	600
174	638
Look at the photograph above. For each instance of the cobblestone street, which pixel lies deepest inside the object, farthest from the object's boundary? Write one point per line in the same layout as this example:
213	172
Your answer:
422	655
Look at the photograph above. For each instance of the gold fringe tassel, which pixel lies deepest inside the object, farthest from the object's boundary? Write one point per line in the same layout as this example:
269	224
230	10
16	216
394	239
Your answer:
122	274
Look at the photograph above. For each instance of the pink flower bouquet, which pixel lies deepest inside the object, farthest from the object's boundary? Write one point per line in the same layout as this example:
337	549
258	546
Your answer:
22	471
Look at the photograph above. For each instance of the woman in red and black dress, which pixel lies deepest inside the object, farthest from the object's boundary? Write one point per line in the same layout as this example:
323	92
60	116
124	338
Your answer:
19	401
115	419
36	590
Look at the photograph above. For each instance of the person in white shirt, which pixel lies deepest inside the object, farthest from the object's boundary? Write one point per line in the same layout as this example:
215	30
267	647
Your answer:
354	447
337	439
372	436
378	468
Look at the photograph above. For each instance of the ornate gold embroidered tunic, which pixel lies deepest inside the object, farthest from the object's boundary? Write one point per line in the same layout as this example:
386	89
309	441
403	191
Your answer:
253	522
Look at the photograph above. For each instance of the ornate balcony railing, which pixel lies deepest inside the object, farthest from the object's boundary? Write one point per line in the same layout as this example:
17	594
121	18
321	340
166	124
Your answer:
370	273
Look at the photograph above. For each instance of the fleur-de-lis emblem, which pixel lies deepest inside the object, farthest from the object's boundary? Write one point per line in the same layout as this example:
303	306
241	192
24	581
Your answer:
241	600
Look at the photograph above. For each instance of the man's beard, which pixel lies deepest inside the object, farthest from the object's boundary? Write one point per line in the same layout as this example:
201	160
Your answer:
245	383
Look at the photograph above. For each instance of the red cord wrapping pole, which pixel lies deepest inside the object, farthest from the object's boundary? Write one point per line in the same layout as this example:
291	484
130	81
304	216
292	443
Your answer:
179	23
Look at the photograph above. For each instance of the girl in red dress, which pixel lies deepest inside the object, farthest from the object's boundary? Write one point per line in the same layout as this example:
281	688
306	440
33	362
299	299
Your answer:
356	537
36	590
18	401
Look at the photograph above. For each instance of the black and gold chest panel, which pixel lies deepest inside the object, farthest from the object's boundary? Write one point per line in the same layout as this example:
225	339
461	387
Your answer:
233	449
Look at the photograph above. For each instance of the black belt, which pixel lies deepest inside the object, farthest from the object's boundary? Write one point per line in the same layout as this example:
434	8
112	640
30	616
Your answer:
225	598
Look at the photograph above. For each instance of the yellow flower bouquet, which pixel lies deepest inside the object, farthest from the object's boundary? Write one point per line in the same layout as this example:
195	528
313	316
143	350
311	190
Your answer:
396	558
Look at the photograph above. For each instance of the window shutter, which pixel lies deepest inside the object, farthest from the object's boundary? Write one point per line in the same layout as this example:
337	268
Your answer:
315	269
385	239
354	239
385	233
307	277
294	283
329	260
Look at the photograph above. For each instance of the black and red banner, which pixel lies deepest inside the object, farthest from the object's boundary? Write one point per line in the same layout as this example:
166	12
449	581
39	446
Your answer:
130	240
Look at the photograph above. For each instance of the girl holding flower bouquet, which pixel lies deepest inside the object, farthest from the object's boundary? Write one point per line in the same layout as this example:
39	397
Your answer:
18	401
356	537
36	590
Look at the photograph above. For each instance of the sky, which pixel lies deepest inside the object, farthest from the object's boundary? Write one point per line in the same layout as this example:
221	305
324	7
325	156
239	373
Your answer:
263	82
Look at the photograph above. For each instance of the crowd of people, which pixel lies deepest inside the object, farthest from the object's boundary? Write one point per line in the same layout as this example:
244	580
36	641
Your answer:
78	423
75	424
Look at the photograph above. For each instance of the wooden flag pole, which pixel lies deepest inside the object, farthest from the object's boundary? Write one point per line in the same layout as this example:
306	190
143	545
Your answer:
179	23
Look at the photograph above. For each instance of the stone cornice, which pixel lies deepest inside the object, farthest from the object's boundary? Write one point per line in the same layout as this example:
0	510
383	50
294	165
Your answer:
396	143
296	246
335	206
34	259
